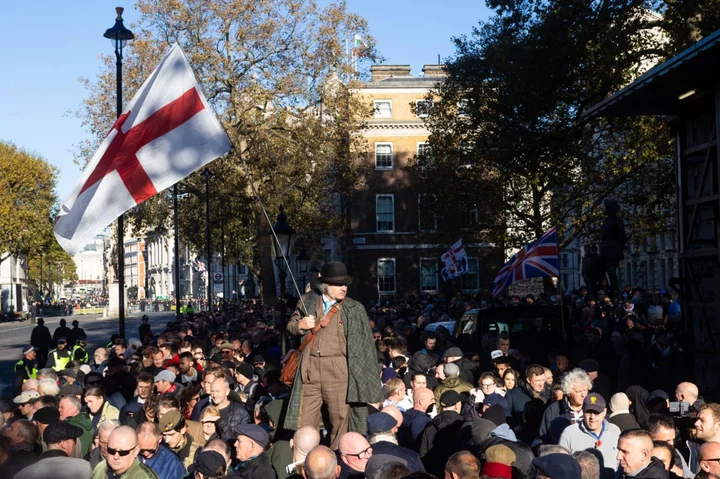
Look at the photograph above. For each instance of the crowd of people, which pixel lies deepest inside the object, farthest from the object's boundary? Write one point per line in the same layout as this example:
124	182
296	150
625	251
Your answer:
363	392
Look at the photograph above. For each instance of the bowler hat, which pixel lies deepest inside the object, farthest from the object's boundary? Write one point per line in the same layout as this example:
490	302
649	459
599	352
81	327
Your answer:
335	272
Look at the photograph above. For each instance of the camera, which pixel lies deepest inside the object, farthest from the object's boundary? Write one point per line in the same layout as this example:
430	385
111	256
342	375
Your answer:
680	409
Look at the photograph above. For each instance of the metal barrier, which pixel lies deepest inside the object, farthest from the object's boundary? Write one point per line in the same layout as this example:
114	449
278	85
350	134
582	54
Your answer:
88	311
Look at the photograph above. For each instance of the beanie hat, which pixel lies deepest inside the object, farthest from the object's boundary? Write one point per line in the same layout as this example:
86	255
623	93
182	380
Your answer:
619	403
495	414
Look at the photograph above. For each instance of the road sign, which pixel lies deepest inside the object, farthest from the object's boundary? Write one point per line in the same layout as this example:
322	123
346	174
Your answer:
218	277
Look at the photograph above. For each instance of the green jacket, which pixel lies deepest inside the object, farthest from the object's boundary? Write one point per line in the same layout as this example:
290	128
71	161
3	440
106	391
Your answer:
136	471
83	422
364	384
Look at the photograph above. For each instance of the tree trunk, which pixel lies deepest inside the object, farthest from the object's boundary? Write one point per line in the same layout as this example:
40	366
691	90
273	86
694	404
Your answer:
267	268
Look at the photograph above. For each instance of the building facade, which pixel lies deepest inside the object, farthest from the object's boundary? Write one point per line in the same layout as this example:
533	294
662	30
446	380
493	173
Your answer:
397	235
90	266
13	284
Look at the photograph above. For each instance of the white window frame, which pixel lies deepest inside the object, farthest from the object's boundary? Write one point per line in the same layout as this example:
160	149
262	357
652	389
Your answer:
377	266
420	228
437	279
467	208
377	113
417	107
377	197
392	155
417	152
477	276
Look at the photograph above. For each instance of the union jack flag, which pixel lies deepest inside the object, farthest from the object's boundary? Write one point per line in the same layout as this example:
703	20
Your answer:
534	260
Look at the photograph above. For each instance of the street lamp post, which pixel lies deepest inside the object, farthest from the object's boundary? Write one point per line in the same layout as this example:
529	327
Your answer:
119	36
207	174
42	293
302	264
282	241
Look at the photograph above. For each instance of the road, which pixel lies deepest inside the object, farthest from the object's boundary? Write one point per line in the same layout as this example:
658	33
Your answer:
16	335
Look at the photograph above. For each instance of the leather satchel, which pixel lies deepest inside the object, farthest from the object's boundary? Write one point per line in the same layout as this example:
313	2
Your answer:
289	370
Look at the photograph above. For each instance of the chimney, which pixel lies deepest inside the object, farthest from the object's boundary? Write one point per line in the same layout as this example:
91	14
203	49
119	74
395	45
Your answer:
381	72
434	71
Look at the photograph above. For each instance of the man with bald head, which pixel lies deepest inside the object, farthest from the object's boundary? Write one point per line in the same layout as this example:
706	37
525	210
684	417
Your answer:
708	456
635	448
303	441
321	463
30	385
122	459
415	419
354	452
687	392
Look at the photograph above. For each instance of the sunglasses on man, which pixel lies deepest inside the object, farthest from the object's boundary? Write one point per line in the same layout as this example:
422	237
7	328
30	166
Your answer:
121	453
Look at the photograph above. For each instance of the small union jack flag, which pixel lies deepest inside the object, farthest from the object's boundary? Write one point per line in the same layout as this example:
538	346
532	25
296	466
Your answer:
534	260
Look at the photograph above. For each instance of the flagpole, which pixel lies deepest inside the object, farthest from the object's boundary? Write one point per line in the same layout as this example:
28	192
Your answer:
177	251
562	293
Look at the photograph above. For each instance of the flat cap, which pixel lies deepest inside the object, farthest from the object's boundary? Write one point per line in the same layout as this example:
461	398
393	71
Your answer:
450	398
453	353
165	375
59	431
254	432
171	421
558	466
208	463
46	415
71	390
68	372
380	422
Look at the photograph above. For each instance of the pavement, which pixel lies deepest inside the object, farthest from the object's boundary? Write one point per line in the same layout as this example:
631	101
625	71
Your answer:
16	335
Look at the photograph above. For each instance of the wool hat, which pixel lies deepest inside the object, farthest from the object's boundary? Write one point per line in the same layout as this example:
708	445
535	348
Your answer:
208	463
254	432
165	375
594	402
335	273
258	359
589	365
495	414
46	415
449	398
59	431
558	466
245	369
481	429
380	422
216	358
495	398
453	353
619	403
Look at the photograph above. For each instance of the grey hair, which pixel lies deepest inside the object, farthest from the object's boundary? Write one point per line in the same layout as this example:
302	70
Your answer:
324	288
148	428
451	370
574	377
48	387
546	449
589	464
28	430
108	425
74	401
48	373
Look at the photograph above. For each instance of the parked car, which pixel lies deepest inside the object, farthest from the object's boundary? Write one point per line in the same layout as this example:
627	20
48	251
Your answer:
450	325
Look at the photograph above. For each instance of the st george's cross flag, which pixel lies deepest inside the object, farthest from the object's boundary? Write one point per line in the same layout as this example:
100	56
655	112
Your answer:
455	261
166	132
534	260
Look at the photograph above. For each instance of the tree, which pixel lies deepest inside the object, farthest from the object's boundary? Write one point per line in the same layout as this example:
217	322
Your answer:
51	265
27	183
270	69
509	119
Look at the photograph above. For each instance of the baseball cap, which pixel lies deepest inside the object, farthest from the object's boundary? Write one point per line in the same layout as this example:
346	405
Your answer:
59	431
165	375
450	398
594	402
61	339
453	353
208	463
496	354
171	421
558	466
254	432
46	415
27	349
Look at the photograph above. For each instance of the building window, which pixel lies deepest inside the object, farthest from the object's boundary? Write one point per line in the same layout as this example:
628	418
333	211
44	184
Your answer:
428	275
385	213
383	108
427	212
383	156
470	283
386	275
565	261
423	108
424	155
466	156
470	216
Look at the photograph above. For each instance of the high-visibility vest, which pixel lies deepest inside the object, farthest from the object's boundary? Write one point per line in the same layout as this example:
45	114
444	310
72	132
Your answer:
31	373
83	356
60	362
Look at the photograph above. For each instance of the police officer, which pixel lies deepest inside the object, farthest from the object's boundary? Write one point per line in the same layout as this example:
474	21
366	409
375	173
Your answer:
79	354
59	357
75	332
25	369
61	331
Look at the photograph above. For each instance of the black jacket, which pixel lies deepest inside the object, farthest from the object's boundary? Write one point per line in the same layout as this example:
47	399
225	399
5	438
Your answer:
414	464
438	441
468	370
519	396
236	415
655	470
41	337
259	467
555	410
523	468
61	332
624	421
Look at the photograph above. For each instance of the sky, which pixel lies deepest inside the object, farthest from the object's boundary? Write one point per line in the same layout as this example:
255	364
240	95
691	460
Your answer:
47	46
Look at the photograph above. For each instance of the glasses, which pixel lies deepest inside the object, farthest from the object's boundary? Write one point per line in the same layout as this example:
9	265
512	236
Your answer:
144	451
112	452
359	455
487	385
195	398
208	422
711	460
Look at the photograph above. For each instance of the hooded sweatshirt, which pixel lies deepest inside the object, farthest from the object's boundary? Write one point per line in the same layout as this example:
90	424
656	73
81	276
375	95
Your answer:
83	422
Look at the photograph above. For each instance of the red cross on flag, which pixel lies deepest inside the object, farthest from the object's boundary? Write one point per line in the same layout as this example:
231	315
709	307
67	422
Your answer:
166	132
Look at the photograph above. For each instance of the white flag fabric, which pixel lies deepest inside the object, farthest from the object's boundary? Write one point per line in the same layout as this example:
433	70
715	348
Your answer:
455	261
165	133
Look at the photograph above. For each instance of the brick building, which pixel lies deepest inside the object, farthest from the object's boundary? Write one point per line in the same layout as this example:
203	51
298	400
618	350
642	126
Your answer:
397	236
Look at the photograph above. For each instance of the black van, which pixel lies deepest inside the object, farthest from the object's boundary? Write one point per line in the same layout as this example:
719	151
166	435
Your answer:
533	329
